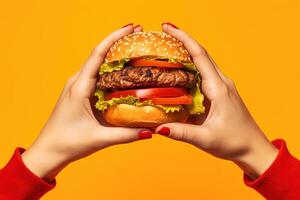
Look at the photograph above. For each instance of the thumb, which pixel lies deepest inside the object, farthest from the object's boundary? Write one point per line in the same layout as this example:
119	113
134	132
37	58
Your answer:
193	134
120	135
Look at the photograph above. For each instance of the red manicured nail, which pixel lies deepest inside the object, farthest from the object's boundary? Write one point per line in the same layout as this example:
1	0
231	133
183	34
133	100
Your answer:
164	131
170	24
127	25
136	26
145	134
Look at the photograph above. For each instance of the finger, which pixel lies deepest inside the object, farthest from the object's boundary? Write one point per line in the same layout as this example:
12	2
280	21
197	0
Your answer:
190	133
68	85
120	135
70	82
198	53
223	77
91	67
138	28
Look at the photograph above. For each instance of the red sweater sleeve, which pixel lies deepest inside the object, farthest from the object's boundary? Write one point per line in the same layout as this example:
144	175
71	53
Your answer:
282	179
17	182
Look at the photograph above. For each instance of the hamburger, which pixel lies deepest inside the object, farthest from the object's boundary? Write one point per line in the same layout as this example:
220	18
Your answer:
147	79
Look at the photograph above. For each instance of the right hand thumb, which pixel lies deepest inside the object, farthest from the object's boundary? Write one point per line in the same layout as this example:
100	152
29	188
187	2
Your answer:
193	134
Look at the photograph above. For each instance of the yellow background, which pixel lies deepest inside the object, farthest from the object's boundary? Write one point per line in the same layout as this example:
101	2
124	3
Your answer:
42	43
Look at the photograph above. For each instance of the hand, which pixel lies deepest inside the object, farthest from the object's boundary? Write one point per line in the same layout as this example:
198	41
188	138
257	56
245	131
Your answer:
227	130
72	131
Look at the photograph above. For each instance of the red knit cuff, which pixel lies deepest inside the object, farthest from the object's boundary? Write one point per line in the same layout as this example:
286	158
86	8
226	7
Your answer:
280	178
18	182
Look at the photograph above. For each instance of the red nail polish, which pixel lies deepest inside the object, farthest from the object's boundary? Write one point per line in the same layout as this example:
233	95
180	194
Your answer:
145	134
170	24
127	25
136	26
164	131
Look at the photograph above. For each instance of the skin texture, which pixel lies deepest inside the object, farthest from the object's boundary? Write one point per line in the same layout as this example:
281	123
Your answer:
227	130
72	131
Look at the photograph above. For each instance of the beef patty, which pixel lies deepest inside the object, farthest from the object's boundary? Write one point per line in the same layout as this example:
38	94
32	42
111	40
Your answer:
141	77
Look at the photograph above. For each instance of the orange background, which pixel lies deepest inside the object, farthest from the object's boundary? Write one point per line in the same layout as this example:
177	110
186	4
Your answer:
255	42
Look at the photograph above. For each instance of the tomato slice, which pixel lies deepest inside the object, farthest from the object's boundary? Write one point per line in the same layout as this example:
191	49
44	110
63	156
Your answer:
140	62
148	93
182	100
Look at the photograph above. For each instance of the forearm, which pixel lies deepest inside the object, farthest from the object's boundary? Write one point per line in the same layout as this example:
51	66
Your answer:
44	163
258	158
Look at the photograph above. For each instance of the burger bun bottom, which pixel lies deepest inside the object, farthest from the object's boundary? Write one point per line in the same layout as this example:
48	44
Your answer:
141	116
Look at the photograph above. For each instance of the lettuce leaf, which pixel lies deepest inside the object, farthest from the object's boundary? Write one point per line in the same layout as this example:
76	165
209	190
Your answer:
113	66
190	66
170	108
172	60
103	104
118	65
197	107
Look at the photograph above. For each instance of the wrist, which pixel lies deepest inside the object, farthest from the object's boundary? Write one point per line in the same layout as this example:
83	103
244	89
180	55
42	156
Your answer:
44	163
257	159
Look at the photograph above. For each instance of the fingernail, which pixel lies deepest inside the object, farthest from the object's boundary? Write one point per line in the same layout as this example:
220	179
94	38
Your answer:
170	24
164	131
136	26
145	135
127	25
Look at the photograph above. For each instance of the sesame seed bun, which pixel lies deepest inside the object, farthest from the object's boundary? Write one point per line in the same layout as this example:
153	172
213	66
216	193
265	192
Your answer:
141	116
149	44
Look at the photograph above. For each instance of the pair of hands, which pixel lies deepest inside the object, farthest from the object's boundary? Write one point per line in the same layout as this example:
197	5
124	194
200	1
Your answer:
227	130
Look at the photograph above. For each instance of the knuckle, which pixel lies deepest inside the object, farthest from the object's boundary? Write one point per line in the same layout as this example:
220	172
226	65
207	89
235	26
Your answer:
69	82
183	134
209	141
224	90
232	86
75	90
204	139
230	82
177	134
201	51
